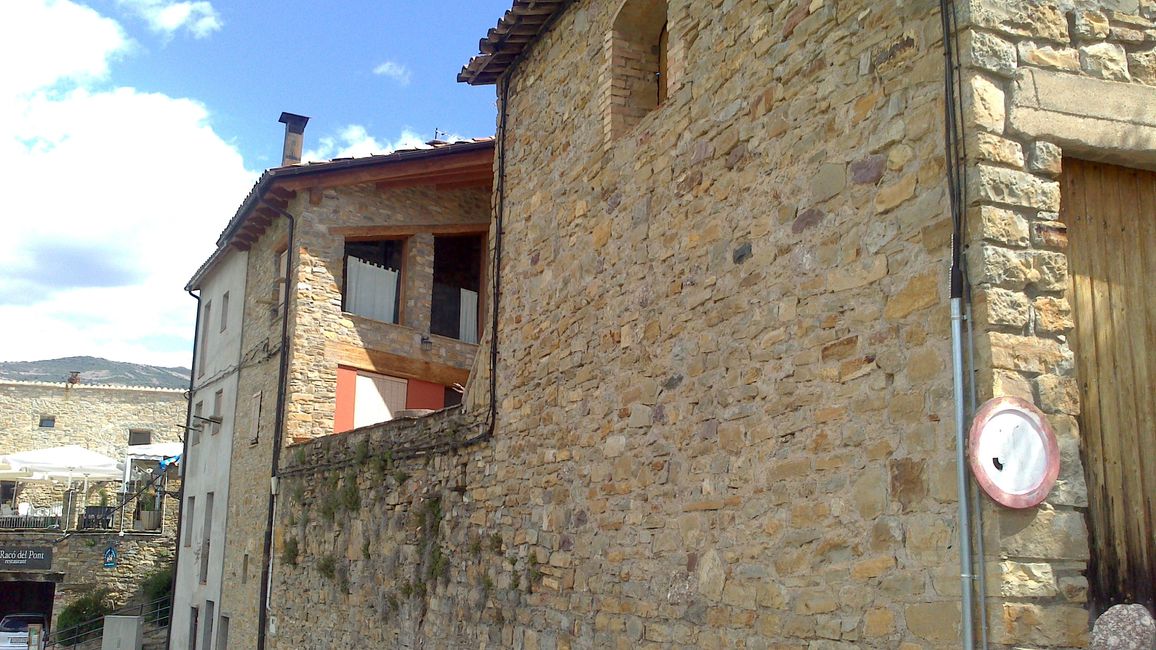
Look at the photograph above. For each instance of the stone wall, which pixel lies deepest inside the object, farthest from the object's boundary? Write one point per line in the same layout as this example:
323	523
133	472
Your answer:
320	324
724	379
95	417
1022	60
317	324
78	561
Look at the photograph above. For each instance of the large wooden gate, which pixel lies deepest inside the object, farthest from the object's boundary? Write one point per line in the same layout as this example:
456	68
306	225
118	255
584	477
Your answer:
1110	213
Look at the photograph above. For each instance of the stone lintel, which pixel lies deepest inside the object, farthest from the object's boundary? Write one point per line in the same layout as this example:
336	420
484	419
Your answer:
1107	121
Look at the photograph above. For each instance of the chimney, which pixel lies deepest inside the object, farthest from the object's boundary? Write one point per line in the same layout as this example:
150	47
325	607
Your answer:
294	137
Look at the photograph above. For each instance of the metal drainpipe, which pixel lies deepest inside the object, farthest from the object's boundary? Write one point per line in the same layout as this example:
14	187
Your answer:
267	548
184	464
955	167
966	574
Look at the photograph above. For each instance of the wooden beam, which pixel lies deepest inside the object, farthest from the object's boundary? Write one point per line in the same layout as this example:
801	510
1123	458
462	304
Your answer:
476	173
389	170
388	363
458	185
396	230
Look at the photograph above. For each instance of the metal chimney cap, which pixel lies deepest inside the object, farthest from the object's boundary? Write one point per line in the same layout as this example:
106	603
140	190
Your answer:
293	123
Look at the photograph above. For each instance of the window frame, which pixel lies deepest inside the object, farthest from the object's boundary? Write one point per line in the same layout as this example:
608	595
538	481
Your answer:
399	313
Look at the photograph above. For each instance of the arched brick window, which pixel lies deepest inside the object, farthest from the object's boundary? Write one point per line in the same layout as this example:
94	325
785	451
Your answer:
638	79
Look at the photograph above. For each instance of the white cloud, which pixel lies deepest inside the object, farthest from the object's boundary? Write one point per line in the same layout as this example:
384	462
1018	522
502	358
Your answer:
354	141
167	17
122	194
393	70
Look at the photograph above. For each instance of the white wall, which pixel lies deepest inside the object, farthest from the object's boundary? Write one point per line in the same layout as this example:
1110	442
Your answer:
206	468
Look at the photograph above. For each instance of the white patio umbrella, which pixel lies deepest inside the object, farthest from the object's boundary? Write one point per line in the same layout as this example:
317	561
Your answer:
57	463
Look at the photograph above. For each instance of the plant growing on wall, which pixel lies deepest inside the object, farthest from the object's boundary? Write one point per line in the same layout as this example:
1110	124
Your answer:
290	551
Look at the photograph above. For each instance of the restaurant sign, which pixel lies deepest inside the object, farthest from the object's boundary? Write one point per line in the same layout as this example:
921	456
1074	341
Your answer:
23	558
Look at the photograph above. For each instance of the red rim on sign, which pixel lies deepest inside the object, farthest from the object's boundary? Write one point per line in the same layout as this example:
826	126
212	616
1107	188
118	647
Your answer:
1013	452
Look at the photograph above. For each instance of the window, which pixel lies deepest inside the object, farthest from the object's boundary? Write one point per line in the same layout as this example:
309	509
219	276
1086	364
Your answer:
7	491
224	311
377	398
205	320
639	79
193	628
190	513
223	633
282	279
140	437
47	421
255	416
457	278
206	538
198	424
373	279
218	403
245	569
210	613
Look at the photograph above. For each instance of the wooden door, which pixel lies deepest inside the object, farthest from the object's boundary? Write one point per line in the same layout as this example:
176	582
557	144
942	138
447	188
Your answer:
1110	213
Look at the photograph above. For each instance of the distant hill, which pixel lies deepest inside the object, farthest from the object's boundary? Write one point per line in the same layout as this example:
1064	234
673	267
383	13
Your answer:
95	371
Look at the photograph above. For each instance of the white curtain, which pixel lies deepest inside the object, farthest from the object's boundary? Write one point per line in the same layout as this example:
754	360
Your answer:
468	321
370	289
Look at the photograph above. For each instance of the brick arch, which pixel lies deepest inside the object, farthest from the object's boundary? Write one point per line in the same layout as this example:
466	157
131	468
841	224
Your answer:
636	83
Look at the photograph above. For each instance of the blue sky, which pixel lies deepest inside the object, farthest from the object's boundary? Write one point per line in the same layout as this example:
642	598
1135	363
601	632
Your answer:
133	129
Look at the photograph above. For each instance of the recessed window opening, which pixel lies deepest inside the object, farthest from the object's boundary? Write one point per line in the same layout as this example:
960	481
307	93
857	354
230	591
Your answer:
225	311
140	437
457	279
639	79
373	278
205	320
47	421
198	423
218	409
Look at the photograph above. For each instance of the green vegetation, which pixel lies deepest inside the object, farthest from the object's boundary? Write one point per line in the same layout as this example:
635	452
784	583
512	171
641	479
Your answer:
157	589
290	552
327	566
84	618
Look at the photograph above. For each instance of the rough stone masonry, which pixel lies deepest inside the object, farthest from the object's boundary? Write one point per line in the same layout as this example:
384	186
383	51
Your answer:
724	389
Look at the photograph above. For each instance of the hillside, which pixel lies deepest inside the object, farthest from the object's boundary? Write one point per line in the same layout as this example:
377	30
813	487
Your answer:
95	371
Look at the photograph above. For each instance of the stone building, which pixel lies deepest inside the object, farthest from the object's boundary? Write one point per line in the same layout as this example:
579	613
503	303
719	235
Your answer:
369	272
721	410
116	421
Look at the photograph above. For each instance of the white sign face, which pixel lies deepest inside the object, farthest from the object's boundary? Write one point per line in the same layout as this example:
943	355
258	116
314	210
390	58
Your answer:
1012	452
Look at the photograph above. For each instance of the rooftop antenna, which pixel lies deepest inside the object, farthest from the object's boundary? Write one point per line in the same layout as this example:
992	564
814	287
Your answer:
439	134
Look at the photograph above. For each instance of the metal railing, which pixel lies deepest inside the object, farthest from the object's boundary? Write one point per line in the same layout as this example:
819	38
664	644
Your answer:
29	522
156	614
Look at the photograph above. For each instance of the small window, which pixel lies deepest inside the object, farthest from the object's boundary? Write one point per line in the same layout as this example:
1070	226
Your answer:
223	634
190	513
7	492
198	424
255	416
218	408
140	437
282	280
206	319
373	279
224	311
47	421
245	569
639	64
457	279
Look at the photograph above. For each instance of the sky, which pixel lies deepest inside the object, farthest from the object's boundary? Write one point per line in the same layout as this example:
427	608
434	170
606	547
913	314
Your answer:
130	131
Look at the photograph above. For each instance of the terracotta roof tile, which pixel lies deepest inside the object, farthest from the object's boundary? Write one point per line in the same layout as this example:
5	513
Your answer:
517	29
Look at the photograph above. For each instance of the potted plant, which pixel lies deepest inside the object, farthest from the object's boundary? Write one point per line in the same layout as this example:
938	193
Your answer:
150	516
